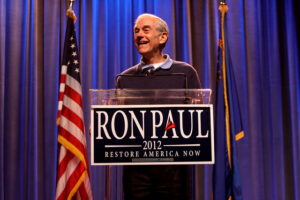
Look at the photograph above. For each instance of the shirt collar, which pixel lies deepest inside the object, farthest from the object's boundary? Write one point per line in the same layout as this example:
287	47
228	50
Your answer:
165	65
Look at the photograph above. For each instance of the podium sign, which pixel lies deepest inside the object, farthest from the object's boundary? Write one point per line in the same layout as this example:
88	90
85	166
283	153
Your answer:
127	132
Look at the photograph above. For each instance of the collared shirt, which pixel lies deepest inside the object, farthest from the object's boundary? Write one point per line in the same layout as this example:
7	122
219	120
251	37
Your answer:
164	65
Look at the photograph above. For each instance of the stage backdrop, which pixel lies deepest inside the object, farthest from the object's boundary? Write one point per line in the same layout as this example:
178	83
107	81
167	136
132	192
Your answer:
265	54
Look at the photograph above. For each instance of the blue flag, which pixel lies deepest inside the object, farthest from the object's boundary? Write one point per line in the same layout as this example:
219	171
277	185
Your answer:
228	125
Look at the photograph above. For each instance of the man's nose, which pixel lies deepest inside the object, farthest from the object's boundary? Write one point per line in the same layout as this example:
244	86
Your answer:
139	34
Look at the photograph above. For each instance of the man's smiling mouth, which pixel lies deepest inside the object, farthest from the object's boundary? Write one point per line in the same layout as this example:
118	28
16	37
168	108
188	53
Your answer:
142	42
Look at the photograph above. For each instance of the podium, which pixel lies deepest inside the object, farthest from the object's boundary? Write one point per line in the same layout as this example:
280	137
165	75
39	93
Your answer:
151	127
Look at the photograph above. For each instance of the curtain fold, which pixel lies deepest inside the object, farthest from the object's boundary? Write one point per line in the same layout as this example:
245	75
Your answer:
264	45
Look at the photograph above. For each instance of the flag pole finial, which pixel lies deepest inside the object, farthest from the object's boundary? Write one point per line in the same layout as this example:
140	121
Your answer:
70	12
223	8
222	2
71	4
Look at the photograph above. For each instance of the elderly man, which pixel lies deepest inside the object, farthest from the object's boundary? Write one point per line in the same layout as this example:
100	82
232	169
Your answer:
156	71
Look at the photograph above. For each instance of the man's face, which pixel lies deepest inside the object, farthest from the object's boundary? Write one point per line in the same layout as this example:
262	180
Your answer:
147	39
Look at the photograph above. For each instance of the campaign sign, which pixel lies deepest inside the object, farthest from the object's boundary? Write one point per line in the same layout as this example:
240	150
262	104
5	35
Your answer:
152	134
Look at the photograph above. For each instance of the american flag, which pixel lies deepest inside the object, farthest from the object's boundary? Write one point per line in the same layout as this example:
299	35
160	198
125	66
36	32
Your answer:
73	179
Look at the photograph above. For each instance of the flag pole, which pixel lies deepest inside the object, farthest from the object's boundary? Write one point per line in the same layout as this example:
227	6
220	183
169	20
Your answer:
223	9
71	4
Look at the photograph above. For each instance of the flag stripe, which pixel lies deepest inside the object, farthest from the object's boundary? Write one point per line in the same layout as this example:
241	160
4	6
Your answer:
73	83
72	127
82	190
77	185
73	181
60	104
61	90
87	186
64	163
73	105
63	180
62	153
82	194
64	70
73	140
70	116
72	148
75	96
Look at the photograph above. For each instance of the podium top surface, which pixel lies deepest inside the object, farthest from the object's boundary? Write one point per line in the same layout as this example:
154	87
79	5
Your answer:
149	96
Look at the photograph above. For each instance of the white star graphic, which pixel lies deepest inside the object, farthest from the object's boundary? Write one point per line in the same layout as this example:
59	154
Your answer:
71	38
75	62
77	70
74	53
72	46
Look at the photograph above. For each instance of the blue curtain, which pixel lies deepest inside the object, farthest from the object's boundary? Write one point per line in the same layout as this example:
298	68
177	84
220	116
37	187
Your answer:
264	45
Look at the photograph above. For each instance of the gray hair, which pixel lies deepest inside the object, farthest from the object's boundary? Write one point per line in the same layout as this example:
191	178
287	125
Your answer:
161	25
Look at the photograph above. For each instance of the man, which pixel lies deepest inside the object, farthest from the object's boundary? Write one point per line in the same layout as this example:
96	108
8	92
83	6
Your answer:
156	71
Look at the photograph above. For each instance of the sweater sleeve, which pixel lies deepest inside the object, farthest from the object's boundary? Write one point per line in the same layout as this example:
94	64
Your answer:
193	79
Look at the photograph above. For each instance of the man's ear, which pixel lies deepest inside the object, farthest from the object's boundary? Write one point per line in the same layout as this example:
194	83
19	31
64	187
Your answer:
163	37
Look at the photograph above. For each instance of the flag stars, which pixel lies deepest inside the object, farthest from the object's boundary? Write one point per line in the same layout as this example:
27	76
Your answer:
72	46
68	63
75	62
74	54
71	38
77	70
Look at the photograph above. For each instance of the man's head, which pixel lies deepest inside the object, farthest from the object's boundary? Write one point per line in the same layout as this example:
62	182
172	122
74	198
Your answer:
150	34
